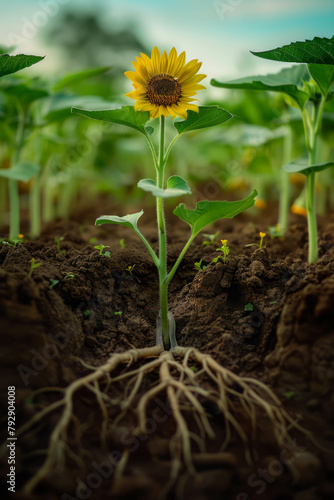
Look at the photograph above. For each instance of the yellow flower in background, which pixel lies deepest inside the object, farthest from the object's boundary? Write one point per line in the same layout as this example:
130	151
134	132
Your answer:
165	85
298	210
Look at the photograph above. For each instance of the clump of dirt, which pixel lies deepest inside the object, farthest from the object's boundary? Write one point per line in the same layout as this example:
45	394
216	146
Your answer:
264	313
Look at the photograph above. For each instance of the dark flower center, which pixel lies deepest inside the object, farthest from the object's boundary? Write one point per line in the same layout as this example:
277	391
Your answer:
163	90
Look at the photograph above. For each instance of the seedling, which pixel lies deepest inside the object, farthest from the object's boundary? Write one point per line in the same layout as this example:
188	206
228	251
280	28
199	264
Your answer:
12	243
33	266
53	283
58	241
275	231
100	248
86	313
289	395
19	171
130	269
122	243
118	313
160	97
199	267
107	254
225	249
260	245
92	241
308	86
211	239
249	307
68	276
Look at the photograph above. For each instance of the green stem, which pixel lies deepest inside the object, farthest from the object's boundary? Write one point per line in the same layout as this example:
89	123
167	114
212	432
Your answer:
14	203
35	208
162	268
14	199
284	202
312	126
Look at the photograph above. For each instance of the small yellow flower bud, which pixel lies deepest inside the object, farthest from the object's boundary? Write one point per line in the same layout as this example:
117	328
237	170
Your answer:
262	235
21	236
224	242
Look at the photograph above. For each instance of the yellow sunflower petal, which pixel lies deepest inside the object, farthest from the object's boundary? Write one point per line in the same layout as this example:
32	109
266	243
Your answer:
172	59
164	62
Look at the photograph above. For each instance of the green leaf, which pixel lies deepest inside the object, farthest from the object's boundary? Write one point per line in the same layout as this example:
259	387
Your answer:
126	115
12	64
61	106
207	212
316	51
287	80
323	74
130	220
301	166
74	78
207	116
176	186
21	172
24	94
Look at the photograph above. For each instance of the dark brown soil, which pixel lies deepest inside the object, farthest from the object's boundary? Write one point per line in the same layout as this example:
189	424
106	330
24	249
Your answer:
286	340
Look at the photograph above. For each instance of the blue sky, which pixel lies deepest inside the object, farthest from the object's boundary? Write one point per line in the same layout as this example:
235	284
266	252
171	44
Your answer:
219	33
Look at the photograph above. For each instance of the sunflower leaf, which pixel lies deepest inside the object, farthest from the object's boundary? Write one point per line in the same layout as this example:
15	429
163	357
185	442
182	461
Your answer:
74	78
207	116
288	80
12	64
176	186
302	166
323	74
316	51
20	172
130	220
125	115
207	212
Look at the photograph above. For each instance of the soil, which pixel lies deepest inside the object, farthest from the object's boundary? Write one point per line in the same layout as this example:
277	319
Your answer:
265	313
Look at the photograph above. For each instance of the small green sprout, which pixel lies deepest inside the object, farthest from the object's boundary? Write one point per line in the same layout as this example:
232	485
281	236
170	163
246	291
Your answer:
260	245
107	254
68	276
262	235
130	269
273	302
275	231
101	247
92	240
211	239
58	241
198	266
33	265
289	395
12	243
53	283
225	249
118	313
86	313
122	243
249	307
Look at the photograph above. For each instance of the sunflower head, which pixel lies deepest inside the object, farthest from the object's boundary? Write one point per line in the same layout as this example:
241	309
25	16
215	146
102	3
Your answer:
164	85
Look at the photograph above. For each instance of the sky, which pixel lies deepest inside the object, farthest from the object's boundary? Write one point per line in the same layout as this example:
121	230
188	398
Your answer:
218	33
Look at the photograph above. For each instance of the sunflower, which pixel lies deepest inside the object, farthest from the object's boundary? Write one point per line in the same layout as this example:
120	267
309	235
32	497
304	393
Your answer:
164	85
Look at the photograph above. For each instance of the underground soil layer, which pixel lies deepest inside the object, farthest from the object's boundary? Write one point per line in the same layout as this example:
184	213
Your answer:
265	313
